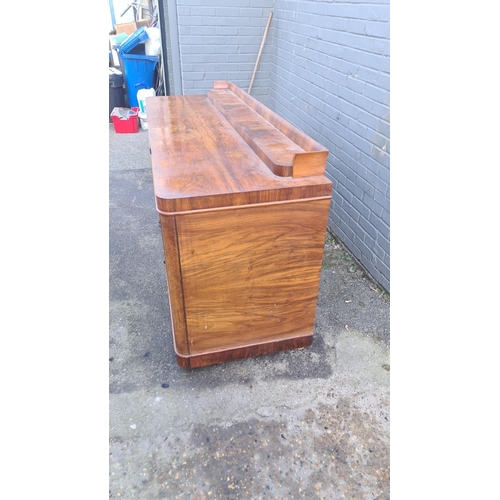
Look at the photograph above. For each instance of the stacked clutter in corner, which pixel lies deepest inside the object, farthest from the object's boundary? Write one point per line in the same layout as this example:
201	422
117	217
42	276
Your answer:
152	47
142	95
138	57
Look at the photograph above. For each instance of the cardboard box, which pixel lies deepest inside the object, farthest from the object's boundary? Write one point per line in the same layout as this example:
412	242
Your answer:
129	28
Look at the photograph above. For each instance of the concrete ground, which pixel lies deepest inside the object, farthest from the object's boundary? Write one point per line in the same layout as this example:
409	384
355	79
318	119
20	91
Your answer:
310	423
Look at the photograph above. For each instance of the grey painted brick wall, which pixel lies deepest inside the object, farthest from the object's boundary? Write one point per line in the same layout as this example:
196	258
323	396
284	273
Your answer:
220	40
166	29
325	68
329	76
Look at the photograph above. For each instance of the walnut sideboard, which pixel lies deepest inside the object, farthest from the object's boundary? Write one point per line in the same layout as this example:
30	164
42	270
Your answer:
243	204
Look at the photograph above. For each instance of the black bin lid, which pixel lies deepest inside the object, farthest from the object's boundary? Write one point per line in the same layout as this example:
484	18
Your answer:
115	77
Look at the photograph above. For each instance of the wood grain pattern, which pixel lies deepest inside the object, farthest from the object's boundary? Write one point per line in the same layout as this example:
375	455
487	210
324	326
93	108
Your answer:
308	162
296	135
300	155
174	280
223	356
200	162
251	274
243	236
273	147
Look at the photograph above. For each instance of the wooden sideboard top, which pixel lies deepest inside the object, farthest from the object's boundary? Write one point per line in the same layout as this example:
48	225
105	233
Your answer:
226	149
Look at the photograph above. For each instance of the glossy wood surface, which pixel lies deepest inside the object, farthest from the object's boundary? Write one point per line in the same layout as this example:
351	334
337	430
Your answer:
251	274
243	246
200	161
286	150
175	284
223	356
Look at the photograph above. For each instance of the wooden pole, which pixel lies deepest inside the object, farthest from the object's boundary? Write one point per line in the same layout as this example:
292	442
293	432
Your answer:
260	52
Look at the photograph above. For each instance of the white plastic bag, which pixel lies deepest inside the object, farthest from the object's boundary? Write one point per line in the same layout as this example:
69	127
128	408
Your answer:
153	44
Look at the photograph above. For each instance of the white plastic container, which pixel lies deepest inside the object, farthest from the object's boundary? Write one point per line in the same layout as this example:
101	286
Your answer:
153	44
142	94
143	119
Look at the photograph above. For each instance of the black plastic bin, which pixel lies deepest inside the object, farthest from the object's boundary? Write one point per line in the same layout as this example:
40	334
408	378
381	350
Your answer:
116	94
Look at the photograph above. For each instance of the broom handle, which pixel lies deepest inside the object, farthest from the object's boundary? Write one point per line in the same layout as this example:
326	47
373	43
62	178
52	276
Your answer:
260	52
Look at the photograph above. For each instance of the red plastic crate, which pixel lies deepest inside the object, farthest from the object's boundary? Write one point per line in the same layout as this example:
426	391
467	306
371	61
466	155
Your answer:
129	126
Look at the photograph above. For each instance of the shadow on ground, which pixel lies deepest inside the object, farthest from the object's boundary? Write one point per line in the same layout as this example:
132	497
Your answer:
310	423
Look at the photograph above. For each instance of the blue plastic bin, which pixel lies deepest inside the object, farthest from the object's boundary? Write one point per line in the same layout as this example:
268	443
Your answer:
132	41
139	72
